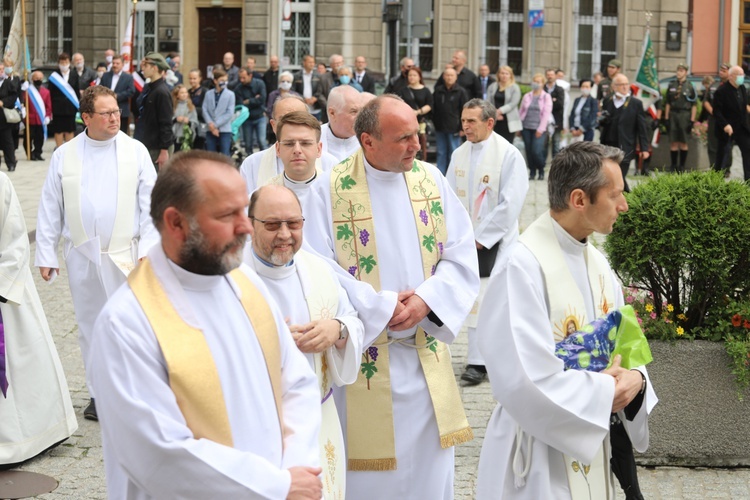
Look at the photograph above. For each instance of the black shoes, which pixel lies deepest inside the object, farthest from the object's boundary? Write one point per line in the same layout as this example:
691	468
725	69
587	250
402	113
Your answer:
12	168
90	412
37	158
474	375
541	176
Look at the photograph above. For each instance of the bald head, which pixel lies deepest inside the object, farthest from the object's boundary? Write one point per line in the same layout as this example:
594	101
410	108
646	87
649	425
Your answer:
344	103
621	85
276	245
286	105
364	98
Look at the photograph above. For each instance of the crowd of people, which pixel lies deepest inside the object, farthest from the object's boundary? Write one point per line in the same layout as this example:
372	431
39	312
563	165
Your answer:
342	265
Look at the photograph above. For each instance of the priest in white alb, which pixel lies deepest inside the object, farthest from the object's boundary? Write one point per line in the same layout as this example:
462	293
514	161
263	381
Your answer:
321	319
202	391
35	407
259	168
338	135
393	222
488	175
548	437
298	147
96	198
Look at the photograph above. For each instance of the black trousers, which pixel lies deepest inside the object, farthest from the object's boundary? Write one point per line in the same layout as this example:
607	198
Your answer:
741	138
7	145
36	132
124	123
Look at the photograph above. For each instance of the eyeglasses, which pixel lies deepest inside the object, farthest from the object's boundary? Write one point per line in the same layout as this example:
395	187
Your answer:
108	114
275	225
302	144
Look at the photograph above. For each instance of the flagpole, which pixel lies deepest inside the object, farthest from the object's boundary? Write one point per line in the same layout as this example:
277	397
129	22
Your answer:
26	79
132	56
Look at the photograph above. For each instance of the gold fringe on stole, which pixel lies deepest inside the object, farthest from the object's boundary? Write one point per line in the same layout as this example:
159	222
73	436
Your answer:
192	372
456	438
371	464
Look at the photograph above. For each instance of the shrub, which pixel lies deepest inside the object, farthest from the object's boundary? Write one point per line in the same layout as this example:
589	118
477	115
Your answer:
684	248
685	241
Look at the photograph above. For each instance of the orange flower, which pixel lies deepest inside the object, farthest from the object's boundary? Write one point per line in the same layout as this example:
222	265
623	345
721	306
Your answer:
736	320
746	324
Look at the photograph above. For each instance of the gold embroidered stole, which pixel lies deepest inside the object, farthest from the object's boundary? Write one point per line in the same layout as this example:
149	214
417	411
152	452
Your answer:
191	368
321	294
370	427
121	240
568	314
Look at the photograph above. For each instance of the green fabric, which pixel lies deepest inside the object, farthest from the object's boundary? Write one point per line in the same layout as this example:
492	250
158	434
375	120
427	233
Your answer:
630	342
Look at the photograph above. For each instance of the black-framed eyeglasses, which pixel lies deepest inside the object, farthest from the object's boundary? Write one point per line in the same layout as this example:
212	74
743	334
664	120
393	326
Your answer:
108	114
275	225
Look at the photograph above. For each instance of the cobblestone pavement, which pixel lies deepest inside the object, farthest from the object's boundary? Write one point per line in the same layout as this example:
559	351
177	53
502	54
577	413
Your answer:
78	464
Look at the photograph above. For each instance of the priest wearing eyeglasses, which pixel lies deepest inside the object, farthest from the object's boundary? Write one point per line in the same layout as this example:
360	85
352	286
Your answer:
322	320
96	198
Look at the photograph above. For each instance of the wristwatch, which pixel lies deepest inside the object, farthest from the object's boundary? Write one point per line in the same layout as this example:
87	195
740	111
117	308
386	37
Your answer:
343	330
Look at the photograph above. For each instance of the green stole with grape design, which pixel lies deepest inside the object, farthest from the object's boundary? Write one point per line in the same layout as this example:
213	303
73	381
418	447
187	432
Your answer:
370	427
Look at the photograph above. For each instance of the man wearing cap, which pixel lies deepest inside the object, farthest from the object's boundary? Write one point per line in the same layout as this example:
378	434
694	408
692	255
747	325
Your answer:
604	89
154	125
709	107
679	113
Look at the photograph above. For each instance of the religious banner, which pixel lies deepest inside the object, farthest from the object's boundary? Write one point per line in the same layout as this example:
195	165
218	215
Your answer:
647	77
13	55
126	48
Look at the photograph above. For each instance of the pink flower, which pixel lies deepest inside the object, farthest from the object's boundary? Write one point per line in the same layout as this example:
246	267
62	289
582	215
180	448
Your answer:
629	299
640	321
653	315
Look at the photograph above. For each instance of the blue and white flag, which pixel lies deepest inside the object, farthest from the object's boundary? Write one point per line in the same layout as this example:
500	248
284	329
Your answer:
35	99
57	80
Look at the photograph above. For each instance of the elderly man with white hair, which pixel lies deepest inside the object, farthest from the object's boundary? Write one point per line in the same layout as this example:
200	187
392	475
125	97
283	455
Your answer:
338	135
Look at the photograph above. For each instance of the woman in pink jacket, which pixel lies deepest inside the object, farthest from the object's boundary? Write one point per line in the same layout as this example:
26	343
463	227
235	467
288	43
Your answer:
536	108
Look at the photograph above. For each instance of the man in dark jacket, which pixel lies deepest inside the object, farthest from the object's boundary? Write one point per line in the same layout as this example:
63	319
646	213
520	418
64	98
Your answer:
558	107
121	83
86	75
449	99
154	125
271	76
466	78
307	84
730	108
9	92
624	123
400	81
251	92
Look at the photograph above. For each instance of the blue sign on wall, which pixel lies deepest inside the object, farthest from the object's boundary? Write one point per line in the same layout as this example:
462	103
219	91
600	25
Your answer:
536	18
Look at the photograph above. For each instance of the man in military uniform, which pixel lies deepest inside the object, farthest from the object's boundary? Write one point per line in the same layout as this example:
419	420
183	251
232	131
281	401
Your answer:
679	113
604	89
708	106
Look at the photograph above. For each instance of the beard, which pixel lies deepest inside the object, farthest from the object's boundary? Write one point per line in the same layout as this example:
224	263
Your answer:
197	256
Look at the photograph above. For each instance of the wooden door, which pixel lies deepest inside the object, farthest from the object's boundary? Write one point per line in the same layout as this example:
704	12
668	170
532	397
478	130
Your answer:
220	31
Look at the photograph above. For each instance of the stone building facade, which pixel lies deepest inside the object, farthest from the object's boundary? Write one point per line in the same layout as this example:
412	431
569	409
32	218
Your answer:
579	36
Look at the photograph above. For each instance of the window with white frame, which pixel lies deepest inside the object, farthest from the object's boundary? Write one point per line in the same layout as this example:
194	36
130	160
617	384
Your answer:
503	22
297	40
6	18
58	19
145	28
595	36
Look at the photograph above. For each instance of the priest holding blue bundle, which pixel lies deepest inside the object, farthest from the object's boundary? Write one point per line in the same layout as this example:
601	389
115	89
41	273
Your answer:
568	409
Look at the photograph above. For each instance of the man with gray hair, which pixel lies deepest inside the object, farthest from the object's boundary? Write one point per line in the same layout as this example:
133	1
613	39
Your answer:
489	177
261	167
86	75
330	79
550	422
338	135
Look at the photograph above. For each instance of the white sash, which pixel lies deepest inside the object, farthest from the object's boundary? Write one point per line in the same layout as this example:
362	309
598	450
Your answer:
568	312
321	293
41	110
489	170
121	242
64	87
490	167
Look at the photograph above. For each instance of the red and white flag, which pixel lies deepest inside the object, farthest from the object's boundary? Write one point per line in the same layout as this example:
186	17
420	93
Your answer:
126	49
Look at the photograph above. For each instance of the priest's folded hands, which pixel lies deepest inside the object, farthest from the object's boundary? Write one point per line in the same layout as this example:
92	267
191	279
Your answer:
317	336
410	310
